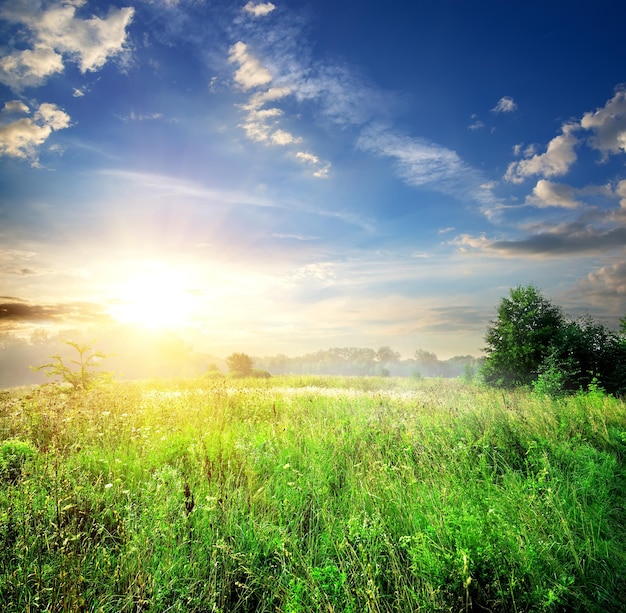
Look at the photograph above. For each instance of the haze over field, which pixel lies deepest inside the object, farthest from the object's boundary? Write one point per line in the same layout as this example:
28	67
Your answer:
289	176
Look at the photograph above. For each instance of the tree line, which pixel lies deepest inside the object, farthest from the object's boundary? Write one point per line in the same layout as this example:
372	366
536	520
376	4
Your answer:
360	361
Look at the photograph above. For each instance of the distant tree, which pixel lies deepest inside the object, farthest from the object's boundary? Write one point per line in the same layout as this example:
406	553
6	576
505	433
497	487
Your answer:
428	362
239	364
213	371
81	373
521	337
386	355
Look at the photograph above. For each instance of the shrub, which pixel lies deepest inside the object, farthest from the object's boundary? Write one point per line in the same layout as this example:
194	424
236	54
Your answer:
14	453
81	373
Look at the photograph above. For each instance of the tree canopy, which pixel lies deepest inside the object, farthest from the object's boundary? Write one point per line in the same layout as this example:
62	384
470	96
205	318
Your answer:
521	337
532	342
239	364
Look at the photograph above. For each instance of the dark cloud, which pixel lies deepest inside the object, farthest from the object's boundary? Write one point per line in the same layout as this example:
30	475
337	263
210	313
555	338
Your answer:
564	241
16	311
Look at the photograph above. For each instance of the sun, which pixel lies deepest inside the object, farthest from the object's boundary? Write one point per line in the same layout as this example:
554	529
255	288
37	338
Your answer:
157	296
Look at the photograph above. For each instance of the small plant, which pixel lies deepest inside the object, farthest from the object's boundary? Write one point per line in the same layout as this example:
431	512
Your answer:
213	372
82	373
470	374
13	455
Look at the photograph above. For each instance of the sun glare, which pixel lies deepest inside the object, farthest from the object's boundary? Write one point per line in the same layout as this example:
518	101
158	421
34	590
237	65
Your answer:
158	296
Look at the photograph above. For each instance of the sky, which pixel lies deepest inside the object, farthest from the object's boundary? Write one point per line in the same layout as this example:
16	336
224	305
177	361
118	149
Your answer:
289	176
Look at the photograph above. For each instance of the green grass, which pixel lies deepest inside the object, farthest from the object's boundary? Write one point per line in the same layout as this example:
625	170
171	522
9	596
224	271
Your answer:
299	494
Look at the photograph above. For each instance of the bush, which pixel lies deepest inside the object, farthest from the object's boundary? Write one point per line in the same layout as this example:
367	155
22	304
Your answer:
14	454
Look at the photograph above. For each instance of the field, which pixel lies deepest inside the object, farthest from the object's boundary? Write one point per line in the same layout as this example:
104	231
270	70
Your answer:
311	494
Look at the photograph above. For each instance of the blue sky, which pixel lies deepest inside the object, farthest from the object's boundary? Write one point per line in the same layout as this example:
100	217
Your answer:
290	176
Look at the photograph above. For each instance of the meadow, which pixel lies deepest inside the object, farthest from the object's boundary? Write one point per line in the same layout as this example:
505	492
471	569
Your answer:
298	494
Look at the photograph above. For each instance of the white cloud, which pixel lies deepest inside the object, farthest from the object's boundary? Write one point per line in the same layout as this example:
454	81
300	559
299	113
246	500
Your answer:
608	125
251	72
556	161
142	116
607	285
323	172
465	242
547	194
308	158
30	67
57	32
322	169
23	137
262	124
259	10
476	124
421	163
15	106
506	104
258	99
282	138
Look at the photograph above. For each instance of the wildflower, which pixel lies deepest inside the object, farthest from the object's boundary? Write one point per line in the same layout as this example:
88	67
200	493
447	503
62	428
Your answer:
108	486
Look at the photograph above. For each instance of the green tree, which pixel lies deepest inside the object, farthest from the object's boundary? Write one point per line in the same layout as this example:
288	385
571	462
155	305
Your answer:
521	337
81	373
239	364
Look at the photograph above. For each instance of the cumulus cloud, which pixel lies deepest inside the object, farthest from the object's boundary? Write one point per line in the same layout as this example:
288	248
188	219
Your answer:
506	104
283	138
606	283
30	67
56	34
556	161
549	194
608	125
15	106
251	72
23	137
259	10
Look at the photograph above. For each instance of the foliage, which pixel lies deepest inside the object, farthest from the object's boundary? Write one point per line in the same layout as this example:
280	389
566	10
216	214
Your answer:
213	372
14	453
239	364
585	351
81	373
298	494
533	343
521	338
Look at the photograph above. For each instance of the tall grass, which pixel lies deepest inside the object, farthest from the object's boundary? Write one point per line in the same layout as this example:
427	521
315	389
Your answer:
300	494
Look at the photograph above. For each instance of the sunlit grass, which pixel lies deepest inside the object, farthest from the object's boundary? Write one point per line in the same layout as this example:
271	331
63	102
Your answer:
300	494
